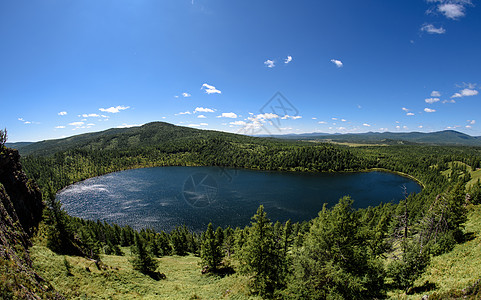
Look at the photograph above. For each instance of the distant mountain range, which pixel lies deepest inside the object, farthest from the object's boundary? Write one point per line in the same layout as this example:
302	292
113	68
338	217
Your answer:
152	134
446	137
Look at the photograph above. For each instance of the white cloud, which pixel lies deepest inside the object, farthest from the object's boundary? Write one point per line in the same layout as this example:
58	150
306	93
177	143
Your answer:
203	124
269	63
335	119
409	114
124	125
449	101
472	122
76	124
431	100
405	109
59	127
429	110
367	125
451	10
62	113
343	120
114	110
194	125
201	117
420	126
238	123
210	89
267	116
288	59
314	118
203	109
292	117
465	93
469	126
435	94
338	63
90	115
431	29
184	113
228	115
185	95
322	122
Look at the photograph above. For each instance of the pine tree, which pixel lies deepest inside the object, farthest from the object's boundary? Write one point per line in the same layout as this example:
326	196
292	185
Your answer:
334	261
143	260
210	251
260	257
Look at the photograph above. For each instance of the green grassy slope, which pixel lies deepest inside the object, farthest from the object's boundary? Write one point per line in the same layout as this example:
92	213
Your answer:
117	280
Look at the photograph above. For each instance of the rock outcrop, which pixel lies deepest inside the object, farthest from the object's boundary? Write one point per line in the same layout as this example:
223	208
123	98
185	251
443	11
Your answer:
20	212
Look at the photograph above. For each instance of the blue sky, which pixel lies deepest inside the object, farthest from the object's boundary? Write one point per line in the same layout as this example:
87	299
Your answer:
70	67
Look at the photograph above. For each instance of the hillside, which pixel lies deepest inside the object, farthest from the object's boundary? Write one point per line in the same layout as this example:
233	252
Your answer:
20	212
149	135
446	137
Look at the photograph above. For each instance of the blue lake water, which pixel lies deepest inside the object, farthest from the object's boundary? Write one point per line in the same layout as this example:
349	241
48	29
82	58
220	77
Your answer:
161	198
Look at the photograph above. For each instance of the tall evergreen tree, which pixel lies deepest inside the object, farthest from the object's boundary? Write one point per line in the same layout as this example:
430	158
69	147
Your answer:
210	251
334	261
143	260
260	257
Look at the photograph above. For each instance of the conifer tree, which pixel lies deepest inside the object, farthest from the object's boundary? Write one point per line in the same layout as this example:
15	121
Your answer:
143	260
210	251
260	257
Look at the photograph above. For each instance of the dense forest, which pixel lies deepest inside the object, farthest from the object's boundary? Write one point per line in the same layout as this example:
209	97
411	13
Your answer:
342	254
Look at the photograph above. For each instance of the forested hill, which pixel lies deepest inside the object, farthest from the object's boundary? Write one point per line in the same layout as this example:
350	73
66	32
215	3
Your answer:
446	137
148	135
62	162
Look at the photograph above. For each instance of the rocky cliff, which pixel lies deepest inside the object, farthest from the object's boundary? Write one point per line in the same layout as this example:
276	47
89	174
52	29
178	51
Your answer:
20	212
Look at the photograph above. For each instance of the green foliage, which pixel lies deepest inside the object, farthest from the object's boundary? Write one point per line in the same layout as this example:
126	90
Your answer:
261	258
210	251
335	262
409	267
143	260
3	138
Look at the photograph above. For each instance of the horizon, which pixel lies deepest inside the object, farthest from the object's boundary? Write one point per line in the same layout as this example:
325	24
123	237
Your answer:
258	135
251	67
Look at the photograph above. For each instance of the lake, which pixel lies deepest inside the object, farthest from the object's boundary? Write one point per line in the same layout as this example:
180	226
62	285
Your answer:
161	198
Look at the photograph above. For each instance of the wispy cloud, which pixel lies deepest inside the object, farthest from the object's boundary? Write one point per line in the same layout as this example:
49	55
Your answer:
62	113
184	113
431	100
269	63
288	59
228	115
124	125
114	110
435	94
210	89
90	115
410	114
76	124
431	29
201	117
203	109
23	120
367	125
338	63
405	109
186	95
59	127
429	110
238	123
451	9
465	93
